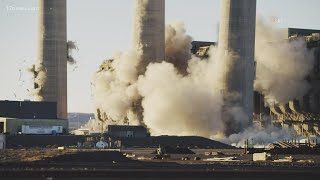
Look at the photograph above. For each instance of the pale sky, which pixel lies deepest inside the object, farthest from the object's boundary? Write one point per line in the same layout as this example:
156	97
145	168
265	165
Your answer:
102	27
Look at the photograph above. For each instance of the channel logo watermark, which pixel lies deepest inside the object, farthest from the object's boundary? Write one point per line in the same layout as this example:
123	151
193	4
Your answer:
12	8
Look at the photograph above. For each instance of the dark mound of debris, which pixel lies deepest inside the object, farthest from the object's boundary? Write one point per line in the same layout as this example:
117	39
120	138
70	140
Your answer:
175	141
172	150
89	156
182	151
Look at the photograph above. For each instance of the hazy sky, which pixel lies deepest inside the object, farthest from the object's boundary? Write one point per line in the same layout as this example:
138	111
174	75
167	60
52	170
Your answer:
102	27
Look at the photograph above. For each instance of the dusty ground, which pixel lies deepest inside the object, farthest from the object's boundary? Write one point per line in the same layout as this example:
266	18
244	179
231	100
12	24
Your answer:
242	159
55	163
145	155
30	155
55	155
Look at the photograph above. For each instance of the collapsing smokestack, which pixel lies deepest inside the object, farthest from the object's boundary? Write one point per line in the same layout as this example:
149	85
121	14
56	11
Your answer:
149	28
52	57
237	37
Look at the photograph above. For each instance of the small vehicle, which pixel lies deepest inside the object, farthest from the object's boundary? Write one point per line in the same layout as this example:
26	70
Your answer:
185	158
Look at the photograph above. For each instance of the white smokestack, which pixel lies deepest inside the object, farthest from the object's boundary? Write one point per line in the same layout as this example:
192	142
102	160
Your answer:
237	37
51	68
149	27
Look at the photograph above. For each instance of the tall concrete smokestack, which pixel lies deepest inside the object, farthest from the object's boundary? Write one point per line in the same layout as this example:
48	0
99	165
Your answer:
149	29
237	35
53	53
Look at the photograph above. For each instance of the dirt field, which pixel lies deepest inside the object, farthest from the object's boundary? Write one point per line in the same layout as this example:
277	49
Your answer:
53	163
30	155
141	154
55	155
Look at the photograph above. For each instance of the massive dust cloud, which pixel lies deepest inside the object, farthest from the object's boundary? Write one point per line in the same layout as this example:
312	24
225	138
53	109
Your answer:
182	94
282	66
115	89
171	99
177	46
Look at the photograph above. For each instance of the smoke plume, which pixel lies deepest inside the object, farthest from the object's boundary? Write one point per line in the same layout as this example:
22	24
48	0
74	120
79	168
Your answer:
178	96
114	89
259	136
94	126
177	46
181	105
282	65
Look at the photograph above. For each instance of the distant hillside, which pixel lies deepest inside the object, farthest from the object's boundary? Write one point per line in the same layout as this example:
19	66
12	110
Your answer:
76	120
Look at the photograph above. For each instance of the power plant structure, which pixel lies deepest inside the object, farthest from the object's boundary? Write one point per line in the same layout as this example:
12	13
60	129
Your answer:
148	39
302	113
53	54
149	30
50	79
237	38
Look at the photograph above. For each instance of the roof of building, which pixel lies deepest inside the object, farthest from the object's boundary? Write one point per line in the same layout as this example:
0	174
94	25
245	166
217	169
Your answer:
28	109
126	128
301	32
197	44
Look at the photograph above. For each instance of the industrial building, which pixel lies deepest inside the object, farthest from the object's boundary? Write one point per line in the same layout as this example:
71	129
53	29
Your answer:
302	114
2	141
125	131
28	109
49	111
237	40
52	54
201	48
15	114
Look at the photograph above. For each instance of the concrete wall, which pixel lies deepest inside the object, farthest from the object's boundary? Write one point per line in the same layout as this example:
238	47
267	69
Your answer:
53	52
135	134
237	35
314	92
2	141
12	125
149	29
14	141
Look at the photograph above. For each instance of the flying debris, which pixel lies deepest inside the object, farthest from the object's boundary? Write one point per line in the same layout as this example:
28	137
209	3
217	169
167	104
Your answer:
71	45
20	74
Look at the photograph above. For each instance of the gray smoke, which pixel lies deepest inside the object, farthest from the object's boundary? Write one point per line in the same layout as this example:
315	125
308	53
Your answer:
177	46
259	136
282	65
